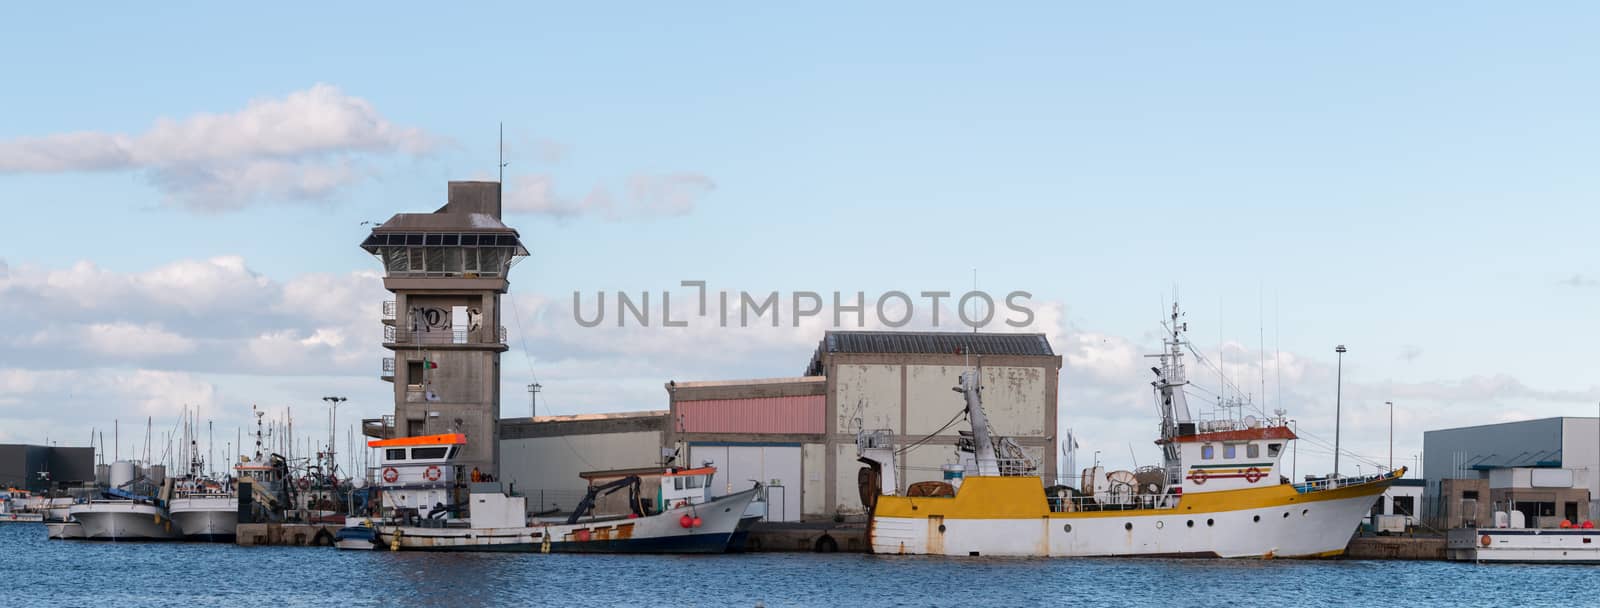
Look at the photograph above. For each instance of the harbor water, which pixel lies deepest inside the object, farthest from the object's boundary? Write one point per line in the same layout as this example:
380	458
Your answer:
39	572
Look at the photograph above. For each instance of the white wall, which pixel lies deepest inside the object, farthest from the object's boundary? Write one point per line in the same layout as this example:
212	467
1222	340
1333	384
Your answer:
868	392
1580	451
552	464
737	465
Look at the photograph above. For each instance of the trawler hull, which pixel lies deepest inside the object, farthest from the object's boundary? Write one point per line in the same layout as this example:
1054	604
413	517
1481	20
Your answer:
661	533
124	521
1002	516
210	519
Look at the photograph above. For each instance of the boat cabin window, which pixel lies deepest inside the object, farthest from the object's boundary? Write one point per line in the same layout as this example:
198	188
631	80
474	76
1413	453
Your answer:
1273	449
1207	452
453	451
1253	450
677	483
1230	451
429	453
394	454
694	482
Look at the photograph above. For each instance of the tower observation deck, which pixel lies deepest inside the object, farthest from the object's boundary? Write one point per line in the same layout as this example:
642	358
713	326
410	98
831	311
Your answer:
447	270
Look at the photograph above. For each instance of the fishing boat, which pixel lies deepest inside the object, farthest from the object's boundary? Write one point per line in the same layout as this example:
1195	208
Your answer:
14	508
204	509
1510	541
419	487
1219	493
126	511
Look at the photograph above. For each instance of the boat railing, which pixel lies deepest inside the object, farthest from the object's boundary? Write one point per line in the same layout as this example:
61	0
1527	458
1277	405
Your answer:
1333	483
1113	503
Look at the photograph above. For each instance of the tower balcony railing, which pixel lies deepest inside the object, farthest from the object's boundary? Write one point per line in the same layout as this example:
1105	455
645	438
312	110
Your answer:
388	310
388	368
482	335
378	428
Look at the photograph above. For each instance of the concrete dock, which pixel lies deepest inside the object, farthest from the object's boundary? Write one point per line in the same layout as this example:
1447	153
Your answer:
286	535
1396	548
795	537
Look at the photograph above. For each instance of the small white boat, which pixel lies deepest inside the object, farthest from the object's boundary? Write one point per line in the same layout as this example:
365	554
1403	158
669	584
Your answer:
124	520
14	509
210	517
1511	542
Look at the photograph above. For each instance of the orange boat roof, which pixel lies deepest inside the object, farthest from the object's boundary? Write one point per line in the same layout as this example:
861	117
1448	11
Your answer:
699	471
445	439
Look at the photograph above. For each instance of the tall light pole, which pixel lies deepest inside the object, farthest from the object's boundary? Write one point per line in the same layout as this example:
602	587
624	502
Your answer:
533	399
1391	434
333	406
1338	398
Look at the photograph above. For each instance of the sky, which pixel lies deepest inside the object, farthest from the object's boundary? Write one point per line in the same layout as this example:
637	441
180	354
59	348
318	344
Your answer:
185	187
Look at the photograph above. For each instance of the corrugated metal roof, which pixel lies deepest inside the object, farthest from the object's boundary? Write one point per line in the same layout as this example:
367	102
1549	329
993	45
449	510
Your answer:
935	342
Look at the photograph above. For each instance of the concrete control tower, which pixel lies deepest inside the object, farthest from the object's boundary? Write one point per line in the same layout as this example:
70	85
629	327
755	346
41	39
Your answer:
446	270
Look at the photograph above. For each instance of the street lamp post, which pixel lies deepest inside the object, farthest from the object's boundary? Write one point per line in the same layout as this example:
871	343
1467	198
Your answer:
333	406
1338	398
533	399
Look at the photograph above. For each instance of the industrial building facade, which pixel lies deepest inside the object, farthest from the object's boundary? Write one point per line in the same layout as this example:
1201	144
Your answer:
1546	469
797	435
35	467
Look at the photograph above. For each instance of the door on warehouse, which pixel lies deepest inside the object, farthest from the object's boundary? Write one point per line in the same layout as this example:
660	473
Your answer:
776	466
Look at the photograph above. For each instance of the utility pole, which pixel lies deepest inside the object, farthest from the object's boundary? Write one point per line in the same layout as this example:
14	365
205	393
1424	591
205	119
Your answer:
1338	402
533	398
1391	434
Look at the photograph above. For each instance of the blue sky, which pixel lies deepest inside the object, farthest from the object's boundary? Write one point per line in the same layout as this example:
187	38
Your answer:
1414	181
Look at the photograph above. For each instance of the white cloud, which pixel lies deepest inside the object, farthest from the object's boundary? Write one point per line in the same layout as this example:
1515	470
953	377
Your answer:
127	339
302	146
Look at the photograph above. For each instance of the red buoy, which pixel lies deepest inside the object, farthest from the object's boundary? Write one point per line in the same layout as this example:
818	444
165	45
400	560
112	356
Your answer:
686	521
697	522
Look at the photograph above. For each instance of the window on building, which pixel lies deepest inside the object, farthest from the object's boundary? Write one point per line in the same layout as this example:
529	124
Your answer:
1273	449
1404	505
1469	495
1253	450
395	454
1207	452
429	453
414	372
1230	451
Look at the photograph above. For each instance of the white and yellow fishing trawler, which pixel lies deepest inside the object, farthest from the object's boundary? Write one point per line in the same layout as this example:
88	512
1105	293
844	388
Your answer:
1221	493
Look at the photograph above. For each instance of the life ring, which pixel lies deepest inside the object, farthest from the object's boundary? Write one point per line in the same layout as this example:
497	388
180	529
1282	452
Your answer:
1484	540
433	473
1198	476
390	475
1253	474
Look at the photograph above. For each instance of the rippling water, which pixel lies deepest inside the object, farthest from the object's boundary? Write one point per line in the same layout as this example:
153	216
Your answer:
38	572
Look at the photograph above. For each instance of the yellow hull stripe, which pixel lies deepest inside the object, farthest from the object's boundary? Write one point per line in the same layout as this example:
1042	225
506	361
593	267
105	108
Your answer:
1023	498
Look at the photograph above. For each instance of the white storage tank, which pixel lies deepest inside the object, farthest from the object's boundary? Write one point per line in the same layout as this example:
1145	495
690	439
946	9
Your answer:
121	473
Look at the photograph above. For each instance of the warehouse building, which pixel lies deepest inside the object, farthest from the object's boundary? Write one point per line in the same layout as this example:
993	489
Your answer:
35	467
1545	468
797	435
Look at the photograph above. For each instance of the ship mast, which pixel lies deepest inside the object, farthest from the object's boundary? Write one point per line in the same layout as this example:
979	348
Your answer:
1169	384
982	445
